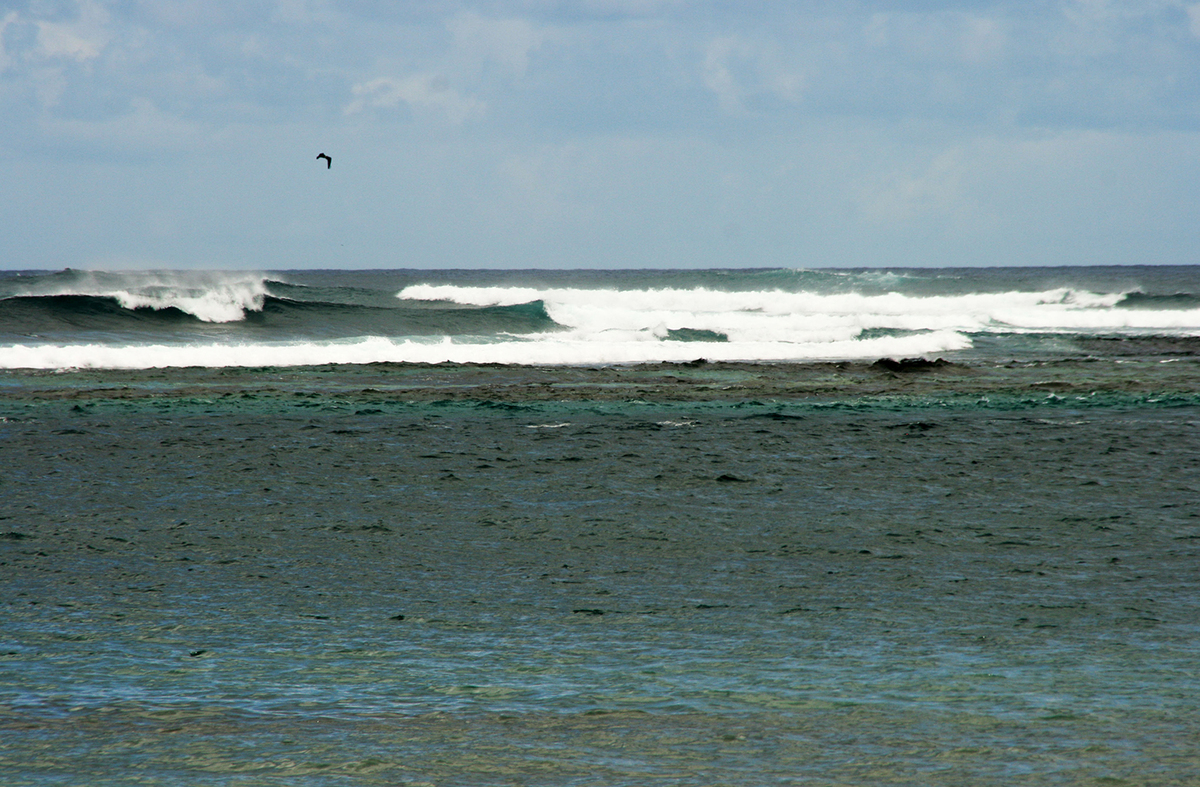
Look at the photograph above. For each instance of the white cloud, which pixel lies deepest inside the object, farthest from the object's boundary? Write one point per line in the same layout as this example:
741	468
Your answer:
930	191
981	40
628	7
48	84
302	12
719	78
1055	197
1110	11
941	37
538	181
5	58
80	40
183	13
736	70
1193	13
508	42
144	129
420	91
545	86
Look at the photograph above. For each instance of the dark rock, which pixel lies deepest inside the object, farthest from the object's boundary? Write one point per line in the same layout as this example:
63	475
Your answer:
907	365
777	416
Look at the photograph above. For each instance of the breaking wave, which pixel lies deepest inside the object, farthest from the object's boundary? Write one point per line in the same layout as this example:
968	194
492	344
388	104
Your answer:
207	296
815	317
81	319
172	315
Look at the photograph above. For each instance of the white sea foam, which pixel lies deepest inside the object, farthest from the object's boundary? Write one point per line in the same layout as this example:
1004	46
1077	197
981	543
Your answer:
211	296
807	318
548	349
611	326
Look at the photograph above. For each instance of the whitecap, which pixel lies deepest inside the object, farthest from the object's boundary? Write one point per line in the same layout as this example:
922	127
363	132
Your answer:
209	296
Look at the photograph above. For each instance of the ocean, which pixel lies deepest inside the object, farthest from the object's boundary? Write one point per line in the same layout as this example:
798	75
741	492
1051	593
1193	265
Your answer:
740	527
85	319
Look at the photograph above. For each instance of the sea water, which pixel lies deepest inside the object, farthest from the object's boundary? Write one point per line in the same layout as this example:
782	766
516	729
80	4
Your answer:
173	318
821	570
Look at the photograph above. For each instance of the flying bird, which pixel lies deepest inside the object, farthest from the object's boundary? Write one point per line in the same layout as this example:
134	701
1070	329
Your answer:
328	160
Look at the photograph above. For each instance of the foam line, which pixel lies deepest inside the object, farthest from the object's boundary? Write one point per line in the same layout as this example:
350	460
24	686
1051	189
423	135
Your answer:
543	351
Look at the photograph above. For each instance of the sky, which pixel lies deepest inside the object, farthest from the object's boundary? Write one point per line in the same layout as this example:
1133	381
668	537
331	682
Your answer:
162	134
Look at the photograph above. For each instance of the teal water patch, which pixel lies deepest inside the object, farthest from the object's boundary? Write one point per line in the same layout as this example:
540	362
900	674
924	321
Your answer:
1177	300
695	335
887	333
394	404
375	592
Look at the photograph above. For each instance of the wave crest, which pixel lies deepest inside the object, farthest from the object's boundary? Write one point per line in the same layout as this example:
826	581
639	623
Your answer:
807	317
209	296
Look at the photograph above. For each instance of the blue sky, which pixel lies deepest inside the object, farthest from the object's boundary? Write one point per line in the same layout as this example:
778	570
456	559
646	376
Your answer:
598	133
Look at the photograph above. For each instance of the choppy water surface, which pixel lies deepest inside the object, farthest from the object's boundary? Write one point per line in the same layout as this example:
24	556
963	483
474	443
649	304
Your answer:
326	577
676	527
159	319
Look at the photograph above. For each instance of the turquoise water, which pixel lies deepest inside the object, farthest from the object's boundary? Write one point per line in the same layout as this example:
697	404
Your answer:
266	588
600	528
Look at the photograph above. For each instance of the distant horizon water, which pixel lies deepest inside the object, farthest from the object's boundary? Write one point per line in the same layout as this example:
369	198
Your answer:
152	319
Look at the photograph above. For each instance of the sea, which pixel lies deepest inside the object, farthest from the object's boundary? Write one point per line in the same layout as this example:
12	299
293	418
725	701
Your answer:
96	319
685	527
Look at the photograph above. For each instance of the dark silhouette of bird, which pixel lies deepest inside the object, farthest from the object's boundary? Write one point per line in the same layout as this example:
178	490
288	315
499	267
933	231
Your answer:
328	160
